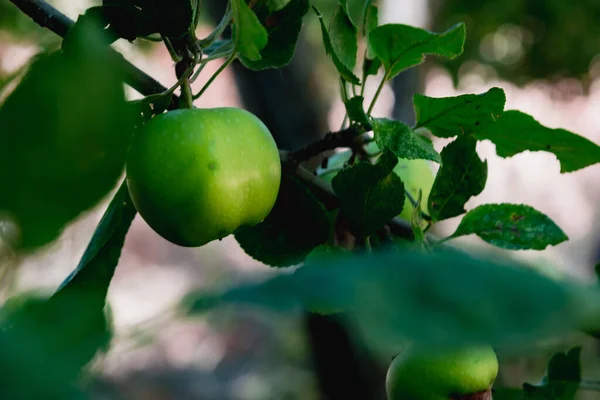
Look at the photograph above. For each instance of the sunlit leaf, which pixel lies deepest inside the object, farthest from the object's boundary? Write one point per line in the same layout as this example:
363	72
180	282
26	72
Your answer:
249	35
516	132
511	227
450	116
402	46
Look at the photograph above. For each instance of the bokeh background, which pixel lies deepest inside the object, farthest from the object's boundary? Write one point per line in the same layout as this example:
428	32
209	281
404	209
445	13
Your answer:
545	55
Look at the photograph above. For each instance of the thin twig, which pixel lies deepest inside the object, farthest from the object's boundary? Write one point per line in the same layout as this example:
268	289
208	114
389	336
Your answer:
215	75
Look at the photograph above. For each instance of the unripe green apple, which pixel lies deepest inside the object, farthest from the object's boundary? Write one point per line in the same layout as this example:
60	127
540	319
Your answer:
197	175
422	374
416	174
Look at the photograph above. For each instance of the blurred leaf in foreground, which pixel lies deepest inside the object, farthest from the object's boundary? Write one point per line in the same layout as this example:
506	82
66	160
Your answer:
443	298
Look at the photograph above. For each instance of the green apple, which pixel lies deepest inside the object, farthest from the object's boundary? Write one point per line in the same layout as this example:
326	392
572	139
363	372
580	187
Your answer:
423	374
416	175
197	175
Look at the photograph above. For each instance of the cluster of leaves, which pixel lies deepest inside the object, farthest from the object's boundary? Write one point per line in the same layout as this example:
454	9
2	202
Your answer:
371	194
71	155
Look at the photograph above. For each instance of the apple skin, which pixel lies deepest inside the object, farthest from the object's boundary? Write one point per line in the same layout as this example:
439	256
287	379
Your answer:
197	175
416	174
419	374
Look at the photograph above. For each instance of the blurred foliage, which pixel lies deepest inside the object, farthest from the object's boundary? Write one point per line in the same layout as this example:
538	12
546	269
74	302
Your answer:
525	40
21	27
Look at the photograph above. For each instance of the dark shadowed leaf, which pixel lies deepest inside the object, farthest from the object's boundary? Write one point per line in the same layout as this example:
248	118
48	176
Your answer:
516	132
356	111
511	227
296	225
283	27
370	195
461	176
450	116
131	19
62	153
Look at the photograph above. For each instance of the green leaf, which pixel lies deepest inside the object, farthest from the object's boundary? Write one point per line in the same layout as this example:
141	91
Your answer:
371	64
511	227
249	36
565	366
356	111
401	46
450	116
370	195
403	141
66	158
461	176
57	337
445	298
371	20
283	28
297	224
343	37
343	70
516	132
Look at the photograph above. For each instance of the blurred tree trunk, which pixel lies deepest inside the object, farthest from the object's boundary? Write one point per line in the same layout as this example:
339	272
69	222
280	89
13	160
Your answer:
290	102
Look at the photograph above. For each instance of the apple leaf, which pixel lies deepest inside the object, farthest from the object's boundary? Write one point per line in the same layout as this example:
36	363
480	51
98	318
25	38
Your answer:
341	44
401	46
356	111
403	141
371	64
370	22
249	36
562	379
343	37
370	195
461	176
53	339
445	298
516	132
450	116
295	226
511	227
131	19
67	158
283	28
565	366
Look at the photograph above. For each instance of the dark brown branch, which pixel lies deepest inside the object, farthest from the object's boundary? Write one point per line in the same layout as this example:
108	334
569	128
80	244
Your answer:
332	140
49	17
